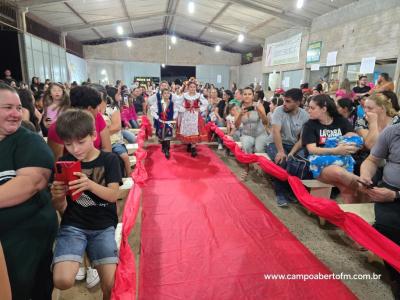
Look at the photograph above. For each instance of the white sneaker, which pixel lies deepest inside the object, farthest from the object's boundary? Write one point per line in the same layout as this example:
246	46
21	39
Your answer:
92	278
220	147
81	274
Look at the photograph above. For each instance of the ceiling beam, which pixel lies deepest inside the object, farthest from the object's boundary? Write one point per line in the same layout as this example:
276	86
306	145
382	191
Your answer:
221	11
298	21
167	11
83	19
252	29
172	17
219	28
123	4
109	22
31	3
327	3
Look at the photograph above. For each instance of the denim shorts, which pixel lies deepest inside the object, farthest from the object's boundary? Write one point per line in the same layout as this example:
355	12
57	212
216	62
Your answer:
119	149
72	242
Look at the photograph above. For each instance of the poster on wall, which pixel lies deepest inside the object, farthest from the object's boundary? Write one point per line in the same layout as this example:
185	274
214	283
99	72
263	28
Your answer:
314	52
331	59
283	52
367	65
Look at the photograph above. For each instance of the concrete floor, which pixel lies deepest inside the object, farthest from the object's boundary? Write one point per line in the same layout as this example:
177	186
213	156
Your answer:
328	244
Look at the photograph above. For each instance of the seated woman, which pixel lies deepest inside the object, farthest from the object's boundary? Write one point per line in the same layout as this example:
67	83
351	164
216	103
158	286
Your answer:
346	109
253	119
86	97
325	122
112	116
379	113
386	196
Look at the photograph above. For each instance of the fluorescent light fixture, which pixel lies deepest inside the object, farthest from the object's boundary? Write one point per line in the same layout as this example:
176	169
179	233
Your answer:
163	65
300	4
129	43
120	30
218	48
191	7
173	39
240	38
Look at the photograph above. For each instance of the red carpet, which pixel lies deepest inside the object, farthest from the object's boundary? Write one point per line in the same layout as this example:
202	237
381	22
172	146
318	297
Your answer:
206	236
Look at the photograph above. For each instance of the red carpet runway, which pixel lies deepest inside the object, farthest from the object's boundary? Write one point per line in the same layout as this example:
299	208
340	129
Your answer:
206	236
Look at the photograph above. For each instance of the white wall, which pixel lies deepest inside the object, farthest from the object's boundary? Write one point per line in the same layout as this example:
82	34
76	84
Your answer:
250	73
362	29
218	75
109	71
155	50
77	68
44	59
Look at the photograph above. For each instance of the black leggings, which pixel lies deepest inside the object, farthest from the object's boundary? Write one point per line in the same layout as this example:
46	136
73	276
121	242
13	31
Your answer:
394	235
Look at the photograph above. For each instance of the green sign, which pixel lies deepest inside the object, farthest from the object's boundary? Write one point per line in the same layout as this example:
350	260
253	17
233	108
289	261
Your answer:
314	52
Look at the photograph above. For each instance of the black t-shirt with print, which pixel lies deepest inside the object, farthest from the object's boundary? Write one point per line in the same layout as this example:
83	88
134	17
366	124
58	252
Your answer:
315	132
90	211
361	90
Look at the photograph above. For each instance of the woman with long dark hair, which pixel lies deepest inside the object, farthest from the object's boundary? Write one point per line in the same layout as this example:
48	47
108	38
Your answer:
324	137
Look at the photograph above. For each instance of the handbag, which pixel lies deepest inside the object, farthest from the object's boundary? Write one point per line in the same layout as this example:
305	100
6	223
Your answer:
298	166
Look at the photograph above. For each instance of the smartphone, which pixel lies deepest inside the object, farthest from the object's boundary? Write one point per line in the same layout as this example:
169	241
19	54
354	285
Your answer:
368	186
64	171
250	108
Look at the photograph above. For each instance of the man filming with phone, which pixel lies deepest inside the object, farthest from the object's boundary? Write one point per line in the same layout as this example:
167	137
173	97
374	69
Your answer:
386	195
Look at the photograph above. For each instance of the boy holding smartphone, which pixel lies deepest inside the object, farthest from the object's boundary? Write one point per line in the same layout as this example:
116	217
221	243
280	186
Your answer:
88	223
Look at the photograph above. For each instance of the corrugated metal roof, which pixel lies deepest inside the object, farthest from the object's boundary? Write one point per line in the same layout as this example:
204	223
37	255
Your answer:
214	21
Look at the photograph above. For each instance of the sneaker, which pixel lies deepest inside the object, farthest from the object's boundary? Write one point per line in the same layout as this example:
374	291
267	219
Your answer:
92	278
81	274
220	147
282	201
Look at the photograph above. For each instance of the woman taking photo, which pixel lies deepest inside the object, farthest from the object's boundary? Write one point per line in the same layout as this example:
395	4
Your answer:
254	119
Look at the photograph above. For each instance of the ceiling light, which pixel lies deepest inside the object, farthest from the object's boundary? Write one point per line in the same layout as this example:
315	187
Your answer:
173	39
169	47
191	7
163	65
240	38
103	72
129	43
218	48
120	30
300	4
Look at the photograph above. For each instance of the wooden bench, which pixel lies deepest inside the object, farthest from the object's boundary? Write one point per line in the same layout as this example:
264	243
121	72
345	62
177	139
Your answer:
134	130
320	190
366	212
131	148
132	160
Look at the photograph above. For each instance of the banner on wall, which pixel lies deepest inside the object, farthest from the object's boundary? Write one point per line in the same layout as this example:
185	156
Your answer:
283	52
145	80
314	52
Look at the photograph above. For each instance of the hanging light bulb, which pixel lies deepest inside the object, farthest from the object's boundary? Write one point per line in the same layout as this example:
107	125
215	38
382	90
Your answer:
120	30
300	4
163	65
191	7
218	48
173	39
129	43
240	38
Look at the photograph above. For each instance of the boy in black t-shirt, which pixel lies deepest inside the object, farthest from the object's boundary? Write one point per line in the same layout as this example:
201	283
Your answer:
88	223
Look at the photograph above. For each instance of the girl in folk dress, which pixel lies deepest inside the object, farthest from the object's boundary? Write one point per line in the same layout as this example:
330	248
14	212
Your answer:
191	126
